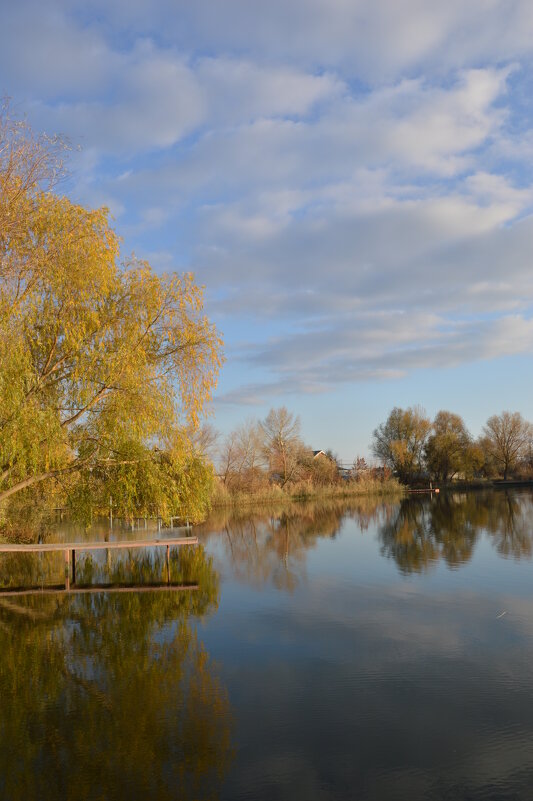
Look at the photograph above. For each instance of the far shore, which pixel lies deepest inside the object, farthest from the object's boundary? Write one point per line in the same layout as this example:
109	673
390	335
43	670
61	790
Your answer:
222	497
304	492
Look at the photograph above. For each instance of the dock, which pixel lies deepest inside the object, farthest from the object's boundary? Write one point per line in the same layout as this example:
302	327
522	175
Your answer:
59	589
69	549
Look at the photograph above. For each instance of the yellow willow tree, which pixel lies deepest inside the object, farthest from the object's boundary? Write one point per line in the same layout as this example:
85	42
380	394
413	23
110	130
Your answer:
101	363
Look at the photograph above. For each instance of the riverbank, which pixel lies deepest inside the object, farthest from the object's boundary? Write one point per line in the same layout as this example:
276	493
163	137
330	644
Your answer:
304	491
462	485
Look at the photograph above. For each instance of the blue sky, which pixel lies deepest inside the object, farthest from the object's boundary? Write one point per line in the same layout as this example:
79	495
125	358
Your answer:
352	180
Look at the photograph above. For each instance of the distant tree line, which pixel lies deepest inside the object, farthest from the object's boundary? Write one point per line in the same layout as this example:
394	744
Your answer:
415	447
262	453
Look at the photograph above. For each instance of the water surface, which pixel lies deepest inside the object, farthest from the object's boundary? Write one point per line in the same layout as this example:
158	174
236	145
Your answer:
375	650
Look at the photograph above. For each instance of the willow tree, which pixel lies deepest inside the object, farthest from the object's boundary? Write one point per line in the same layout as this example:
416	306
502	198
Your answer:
102	362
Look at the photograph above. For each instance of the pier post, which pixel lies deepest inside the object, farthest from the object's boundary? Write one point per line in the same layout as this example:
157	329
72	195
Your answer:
73	562
168	564
67	569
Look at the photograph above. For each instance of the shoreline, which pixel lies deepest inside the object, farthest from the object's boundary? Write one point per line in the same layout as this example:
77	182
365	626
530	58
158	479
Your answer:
224	498
390	489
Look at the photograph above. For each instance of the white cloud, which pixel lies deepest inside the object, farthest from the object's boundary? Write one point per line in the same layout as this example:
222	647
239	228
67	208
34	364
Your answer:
394	136
44	53
496	192
376	347
154	101
240	91
376	40
353	170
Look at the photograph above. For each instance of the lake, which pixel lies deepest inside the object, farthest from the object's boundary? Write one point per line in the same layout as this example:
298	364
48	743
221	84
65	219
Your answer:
363	650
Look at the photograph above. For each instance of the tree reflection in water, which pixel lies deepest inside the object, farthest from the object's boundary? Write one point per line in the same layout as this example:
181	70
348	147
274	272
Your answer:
426	530
112	695
271	544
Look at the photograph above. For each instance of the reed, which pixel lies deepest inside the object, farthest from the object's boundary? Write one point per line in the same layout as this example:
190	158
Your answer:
305	490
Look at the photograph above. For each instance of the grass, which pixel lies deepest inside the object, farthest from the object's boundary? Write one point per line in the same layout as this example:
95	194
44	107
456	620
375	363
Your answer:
304	491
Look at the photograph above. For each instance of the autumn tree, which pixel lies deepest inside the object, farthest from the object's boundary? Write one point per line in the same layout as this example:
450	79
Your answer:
174	482
447	446
204	440
506	439
474	461
242	459
399	442
359	467
101	360
227	458
322	469
282	445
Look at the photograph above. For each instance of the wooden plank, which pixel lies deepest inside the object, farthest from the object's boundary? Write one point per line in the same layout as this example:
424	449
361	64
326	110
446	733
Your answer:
94	546
98	588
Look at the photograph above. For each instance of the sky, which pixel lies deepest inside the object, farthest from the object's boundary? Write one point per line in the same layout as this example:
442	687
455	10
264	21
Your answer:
351	180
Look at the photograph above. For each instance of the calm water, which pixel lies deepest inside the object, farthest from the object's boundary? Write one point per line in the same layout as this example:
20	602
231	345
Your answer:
361	651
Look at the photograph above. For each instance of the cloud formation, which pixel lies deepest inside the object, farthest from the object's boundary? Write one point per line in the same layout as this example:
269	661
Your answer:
352	177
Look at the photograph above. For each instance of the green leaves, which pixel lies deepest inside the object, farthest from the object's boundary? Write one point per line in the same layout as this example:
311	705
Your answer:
95	356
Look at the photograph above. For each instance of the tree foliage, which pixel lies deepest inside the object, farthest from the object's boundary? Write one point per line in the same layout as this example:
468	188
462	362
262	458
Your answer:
282	444
257	453
447	446
323	469
101	360
242	458
399	442
176	482
261	456
443	450
507	437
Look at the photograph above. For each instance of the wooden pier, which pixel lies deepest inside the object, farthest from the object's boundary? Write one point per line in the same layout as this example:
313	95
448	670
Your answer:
59	589
69	549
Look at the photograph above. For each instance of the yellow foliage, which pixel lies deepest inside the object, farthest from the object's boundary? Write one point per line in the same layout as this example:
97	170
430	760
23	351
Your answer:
93	352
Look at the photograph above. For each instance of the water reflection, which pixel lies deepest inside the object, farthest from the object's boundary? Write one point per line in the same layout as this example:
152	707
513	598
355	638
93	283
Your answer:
362	685
112	696
270	545
346	688
447	527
